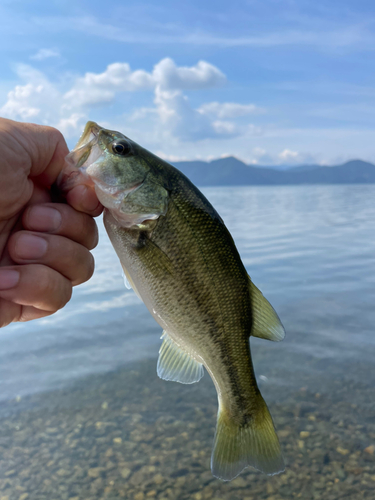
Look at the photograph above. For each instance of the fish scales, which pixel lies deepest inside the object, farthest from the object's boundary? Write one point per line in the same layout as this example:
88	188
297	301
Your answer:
203	253
182	261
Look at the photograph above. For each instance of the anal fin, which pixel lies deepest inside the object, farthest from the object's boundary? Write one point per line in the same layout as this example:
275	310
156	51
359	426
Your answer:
266	323
176	364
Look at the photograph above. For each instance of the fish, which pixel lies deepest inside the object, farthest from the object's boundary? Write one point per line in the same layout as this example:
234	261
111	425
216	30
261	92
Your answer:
181	260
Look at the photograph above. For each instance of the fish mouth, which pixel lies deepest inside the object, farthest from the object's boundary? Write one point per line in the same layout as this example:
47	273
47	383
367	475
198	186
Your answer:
85	152
89	135
79	168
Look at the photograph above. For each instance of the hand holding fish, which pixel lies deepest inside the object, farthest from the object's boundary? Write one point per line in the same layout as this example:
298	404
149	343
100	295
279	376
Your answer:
44	246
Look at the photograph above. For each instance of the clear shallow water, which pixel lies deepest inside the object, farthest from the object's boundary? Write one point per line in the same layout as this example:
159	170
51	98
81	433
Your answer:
311	250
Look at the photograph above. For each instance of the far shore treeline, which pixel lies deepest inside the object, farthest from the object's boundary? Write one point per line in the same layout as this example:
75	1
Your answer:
232	172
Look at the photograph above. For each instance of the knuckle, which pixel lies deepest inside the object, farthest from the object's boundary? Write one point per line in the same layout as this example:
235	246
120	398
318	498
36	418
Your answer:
54	287
80	227
91	266
62	292
44	280
53	133
85	268
89	231
94	233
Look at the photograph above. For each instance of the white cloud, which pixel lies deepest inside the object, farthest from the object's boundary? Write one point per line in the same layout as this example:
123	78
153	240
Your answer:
45	54
288	155
96	88
172	116
259	152
202	75
36	99
223	110
69	125
294	157
171	158
141	113
179	119
225	128
19	99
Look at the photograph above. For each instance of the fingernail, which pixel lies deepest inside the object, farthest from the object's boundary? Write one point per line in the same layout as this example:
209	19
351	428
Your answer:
30	247
43	218
8	278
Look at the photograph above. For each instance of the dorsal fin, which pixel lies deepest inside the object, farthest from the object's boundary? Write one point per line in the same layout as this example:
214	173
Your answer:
176	364
266	323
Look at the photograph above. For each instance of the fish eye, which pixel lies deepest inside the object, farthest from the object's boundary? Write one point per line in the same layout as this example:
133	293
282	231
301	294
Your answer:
121	148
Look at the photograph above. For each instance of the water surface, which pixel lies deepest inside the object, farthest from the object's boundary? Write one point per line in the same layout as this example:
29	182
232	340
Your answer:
85	416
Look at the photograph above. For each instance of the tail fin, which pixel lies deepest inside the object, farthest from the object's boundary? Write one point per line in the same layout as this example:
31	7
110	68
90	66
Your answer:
254	443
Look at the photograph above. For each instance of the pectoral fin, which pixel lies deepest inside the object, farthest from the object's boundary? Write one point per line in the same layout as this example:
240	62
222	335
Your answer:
176	364
129	283
161	259
266	323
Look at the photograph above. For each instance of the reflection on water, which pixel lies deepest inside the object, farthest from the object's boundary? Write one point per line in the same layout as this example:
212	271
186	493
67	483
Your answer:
106	427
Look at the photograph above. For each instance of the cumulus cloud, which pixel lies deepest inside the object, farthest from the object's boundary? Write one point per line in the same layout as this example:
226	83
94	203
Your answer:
35	99
99	88
259	152
45	54
203	75
223	110
95	88
172	115
181	120
69	125
288	155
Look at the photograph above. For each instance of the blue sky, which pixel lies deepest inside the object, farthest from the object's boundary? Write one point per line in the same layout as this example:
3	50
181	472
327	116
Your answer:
268	81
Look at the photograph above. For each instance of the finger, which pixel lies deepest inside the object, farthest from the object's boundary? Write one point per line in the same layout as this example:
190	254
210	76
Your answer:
35	285
15	223
83	198
56	218
40	150
28	313
11	312
65	256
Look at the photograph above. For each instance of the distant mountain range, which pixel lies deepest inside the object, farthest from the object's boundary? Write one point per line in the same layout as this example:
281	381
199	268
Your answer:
232	172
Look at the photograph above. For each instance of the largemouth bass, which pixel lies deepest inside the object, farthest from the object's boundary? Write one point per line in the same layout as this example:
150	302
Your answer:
182	262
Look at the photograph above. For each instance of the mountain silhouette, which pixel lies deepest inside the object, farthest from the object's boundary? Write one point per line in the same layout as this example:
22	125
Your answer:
232	172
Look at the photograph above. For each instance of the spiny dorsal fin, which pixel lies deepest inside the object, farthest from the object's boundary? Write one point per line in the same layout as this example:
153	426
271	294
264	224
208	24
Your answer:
176	364
266	323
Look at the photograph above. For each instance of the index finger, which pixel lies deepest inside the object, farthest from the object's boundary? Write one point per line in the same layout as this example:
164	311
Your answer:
83	198
40	150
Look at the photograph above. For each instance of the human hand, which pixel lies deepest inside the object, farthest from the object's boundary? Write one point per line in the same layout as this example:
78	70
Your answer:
44	246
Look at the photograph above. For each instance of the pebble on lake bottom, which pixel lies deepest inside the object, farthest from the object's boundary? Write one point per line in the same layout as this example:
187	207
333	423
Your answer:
128	435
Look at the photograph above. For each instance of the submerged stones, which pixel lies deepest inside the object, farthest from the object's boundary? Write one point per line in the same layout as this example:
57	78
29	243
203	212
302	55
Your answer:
66	446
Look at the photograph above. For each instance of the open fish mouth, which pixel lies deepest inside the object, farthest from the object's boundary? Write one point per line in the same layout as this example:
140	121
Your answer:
87	150
89	135
84	153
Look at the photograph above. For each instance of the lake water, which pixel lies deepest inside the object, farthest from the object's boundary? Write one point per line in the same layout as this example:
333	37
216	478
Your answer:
84	415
